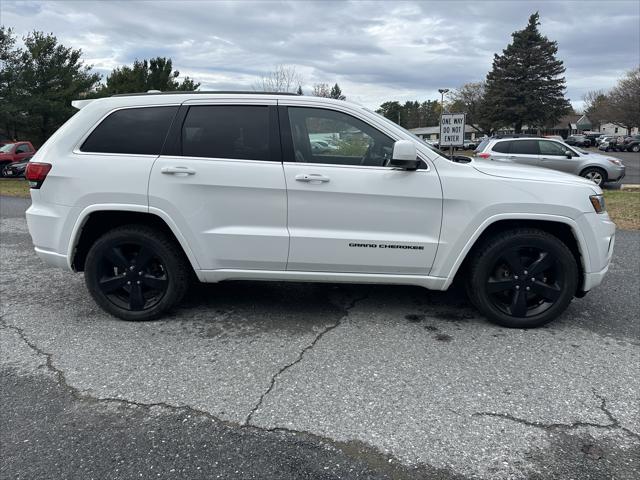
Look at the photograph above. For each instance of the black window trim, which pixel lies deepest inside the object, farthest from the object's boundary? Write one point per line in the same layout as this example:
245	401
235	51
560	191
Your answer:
77	149
287	140
173	144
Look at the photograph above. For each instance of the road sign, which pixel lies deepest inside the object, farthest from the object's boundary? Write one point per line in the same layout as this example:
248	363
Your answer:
452	129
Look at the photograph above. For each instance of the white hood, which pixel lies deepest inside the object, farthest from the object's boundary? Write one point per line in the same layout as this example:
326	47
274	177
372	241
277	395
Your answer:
525	172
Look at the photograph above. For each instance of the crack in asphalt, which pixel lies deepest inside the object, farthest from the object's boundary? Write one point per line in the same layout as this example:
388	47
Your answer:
613	425
386	462
301	356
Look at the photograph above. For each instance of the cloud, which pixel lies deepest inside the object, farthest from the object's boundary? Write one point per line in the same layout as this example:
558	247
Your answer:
376	51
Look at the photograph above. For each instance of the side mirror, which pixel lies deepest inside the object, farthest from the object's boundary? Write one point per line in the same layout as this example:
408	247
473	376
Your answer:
568	154
404	156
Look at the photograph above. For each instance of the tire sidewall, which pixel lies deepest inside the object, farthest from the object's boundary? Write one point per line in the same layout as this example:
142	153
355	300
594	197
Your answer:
149	239
487	262
600	171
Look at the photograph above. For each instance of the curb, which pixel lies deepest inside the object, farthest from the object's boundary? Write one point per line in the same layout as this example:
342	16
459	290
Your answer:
631	186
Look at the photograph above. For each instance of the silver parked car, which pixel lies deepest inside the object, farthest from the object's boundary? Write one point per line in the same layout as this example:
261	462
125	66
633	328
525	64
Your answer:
549	153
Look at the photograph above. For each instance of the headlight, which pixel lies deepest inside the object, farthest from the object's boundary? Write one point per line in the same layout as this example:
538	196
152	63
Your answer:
598	203
615	161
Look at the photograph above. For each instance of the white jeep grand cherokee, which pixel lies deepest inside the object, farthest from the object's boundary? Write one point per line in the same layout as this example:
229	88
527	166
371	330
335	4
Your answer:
141	192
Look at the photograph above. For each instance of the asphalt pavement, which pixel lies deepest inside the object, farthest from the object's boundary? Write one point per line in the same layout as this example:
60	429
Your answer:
318	381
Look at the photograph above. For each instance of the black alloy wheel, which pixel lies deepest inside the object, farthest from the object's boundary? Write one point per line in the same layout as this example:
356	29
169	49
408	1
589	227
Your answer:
136	272
522	278
525	281
132	276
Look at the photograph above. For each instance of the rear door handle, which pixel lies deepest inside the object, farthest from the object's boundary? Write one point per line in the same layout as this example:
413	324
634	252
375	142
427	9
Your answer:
312	178
183	171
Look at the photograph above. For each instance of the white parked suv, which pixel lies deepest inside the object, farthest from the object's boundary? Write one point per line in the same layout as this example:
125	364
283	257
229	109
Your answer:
144	192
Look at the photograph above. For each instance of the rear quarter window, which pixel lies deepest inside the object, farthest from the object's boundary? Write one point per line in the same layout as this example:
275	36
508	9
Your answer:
502	147
139	131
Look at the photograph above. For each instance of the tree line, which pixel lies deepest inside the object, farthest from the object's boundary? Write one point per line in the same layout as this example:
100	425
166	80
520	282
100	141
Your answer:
39	80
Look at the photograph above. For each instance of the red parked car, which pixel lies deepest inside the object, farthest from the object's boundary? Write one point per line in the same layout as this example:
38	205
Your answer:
15	152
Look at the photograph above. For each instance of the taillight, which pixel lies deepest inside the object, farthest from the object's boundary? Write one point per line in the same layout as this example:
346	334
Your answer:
484	155
36	173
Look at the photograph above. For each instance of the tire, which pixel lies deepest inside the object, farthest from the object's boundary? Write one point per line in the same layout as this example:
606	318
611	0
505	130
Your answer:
635	148
499	287
129	289
595	174
3	165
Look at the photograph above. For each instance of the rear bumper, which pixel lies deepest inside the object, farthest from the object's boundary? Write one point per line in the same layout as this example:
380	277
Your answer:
49	226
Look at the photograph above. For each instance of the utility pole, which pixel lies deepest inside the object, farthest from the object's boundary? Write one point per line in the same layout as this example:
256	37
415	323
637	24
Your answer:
442	91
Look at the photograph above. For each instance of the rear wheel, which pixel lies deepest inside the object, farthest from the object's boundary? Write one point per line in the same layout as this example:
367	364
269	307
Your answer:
596	175
635	148
134	273
523	278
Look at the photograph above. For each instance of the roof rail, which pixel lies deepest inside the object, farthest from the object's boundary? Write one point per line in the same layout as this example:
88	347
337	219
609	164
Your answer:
516	135
217	92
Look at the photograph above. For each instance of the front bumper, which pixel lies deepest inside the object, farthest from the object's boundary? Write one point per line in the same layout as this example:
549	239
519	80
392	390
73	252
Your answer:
599	236
616	174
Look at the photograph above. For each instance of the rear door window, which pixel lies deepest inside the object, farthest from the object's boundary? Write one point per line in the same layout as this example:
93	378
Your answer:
524	147
139	131
227	131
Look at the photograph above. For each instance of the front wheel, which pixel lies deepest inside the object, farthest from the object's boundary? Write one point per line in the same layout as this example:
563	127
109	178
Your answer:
596	175
523	278
136	272
635	148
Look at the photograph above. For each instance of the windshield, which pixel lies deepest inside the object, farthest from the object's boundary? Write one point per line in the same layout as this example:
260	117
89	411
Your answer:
6	148
430	147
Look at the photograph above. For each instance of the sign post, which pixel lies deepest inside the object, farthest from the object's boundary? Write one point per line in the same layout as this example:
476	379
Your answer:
452	130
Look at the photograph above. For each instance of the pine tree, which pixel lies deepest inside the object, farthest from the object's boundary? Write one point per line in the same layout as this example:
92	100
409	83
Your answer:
154	74
336	92
526	84
300	92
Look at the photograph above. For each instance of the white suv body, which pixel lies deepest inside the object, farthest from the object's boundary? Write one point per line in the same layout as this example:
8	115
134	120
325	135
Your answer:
230	181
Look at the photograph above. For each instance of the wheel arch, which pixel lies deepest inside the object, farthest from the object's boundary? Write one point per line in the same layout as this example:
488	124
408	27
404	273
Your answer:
563	228
588	166
97	220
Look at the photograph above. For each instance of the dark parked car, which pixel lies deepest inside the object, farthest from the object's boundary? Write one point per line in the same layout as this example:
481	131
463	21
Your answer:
632	143
15	169
578	141
593	138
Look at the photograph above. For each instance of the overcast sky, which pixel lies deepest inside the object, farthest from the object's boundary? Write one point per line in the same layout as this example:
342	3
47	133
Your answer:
376	51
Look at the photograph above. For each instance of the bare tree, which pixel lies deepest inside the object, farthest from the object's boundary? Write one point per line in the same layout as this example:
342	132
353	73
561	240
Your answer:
625	100
620	105
284	78
597	106
321	90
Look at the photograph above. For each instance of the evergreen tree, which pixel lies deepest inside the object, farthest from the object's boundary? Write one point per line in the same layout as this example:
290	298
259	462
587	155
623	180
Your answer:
154	74
391	110
526	84
300	92
38	83
336	92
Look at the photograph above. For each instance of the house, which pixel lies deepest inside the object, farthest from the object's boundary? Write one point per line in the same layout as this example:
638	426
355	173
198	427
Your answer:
615	129
471	132
571	124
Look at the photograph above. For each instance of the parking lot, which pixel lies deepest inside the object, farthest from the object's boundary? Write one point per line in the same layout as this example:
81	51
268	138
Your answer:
273	380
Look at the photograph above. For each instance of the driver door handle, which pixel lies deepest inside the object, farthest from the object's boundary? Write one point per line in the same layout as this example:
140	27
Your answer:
312	178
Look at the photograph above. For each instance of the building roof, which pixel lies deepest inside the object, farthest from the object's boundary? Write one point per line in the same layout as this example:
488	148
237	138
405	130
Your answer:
572	121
